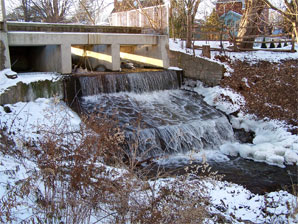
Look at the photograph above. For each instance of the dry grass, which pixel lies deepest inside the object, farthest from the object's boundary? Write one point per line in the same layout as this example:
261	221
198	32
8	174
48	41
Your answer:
75	181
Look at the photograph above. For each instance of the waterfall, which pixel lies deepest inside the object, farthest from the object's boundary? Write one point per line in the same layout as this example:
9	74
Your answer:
166	121
129	82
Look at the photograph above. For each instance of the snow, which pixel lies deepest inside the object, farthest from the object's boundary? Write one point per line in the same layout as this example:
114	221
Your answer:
175	68
250	57
26	78
272	143
29	120
181	159
213	96
245	206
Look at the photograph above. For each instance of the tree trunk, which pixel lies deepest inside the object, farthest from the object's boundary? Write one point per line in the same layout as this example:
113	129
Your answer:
188	31
250	22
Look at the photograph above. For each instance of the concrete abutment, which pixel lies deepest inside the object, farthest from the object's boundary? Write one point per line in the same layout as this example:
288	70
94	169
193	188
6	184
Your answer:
54	51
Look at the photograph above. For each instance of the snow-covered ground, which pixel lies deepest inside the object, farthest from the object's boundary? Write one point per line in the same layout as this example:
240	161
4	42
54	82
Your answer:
26	78
250	57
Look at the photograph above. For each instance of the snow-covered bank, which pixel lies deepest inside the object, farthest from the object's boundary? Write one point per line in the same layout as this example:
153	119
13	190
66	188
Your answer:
219	198
26	78
272	143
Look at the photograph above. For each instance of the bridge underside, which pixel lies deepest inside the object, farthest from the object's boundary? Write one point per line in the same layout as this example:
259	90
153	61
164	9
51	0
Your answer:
53	51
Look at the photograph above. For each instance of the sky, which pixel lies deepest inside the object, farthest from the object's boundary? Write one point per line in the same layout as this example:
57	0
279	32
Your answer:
205	8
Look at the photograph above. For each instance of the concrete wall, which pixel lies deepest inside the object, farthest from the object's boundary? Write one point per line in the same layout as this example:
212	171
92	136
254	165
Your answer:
196	68
4	51
23	92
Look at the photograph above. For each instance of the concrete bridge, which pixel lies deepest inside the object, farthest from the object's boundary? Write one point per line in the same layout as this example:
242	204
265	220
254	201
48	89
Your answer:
51	47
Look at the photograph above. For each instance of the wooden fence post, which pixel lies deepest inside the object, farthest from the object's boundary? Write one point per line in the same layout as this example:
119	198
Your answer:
235	44
206	51
293	42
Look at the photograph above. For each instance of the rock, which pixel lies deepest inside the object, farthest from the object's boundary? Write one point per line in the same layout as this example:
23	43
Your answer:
244	136
7	109
128	65
80	70
100	68
10	74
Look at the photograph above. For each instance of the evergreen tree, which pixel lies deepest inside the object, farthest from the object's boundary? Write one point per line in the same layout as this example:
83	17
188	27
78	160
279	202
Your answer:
213	26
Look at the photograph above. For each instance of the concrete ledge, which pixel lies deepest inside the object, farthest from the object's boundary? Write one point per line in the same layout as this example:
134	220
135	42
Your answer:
196	68
23	92
56	27
40	39
4	51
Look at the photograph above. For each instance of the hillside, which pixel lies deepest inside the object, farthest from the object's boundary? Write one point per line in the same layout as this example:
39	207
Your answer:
270	89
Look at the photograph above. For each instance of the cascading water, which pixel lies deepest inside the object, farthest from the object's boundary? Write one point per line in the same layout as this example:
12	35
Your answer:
129	82
155	113
164	120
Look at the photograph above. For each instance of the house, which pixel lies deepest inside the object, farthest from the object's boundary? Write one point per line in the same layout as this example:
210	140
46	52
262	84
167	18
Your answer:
230	11
224	6
231	19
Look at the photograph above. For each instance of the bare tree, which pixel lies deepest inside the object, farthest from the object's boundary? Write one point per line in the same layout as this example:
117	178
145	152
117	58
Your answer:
52	11
91	11
26	8
22	12
182	15
249	22
290	14
85	12
191	7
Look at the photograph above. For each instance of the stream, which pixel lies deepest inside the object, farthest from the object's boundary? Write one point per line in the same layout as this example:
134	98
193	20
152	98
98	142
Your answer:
172	125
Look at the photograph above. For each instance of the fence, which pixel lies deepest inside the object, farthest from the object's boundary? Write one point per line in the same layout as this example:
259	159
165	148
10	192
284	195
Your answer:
155	17
273	42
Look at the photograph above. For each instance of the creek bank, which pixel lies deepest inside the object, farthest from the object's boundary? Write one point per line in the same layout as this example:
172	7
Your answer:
269	88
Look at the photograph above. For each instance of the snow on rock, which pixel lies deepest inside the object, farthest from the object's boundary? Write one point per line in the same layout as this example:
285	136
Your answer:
233	200
175	68
271	137
27	78
214	97
272	143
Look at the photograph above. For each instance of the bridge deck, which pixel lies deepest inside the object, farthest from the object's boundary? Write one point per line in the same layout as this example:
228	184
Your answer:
45	38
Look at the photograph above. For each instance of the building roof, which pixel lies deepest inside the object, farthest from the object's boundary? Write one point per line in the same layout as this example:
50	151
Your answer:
231	13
